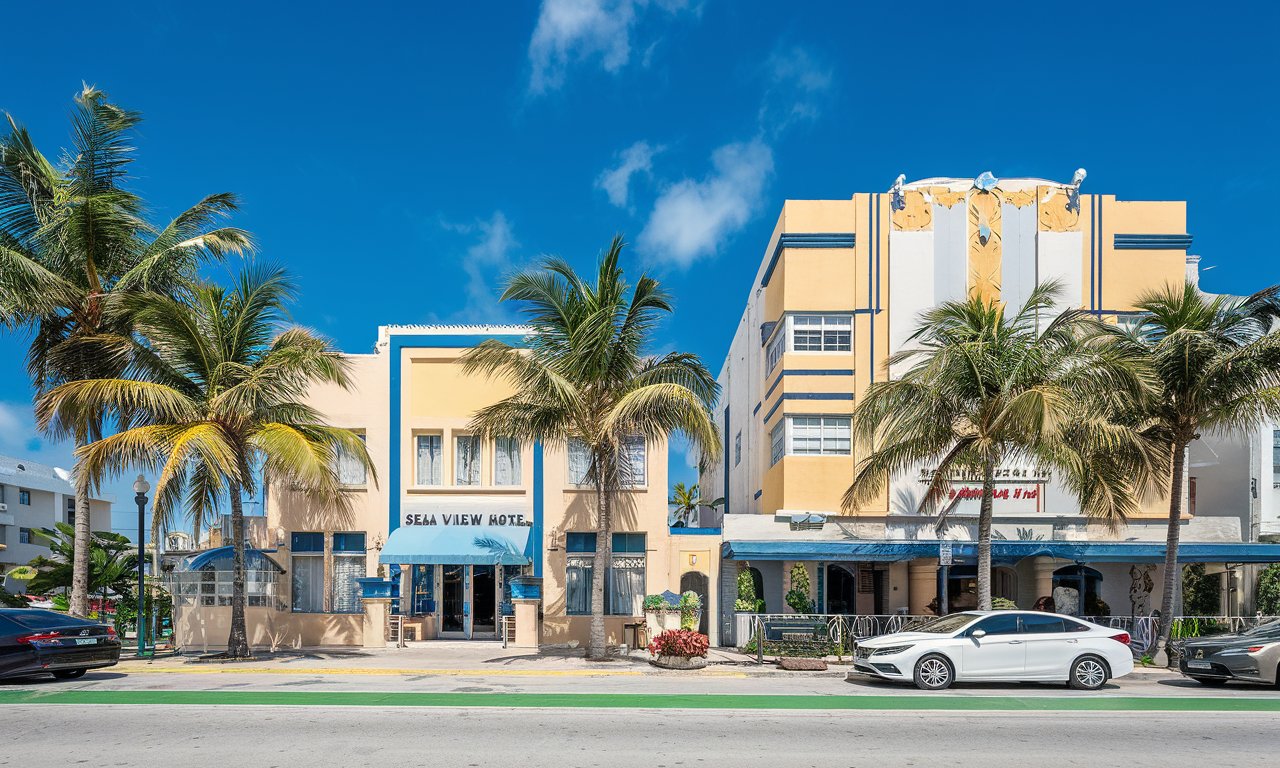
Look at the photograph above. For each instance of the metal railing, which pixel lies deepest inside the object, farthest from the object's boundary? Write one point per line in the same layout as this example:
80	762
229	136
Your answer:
822	635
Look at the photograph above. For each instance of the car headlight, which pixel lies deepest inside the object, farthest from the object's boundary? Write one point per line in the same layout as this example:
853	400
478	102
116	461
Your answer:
890	650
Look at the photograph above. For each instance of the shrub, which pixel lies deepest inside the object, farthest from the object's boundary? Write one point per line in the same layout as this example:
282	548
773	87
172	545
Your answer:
682	643
1269	590
798	596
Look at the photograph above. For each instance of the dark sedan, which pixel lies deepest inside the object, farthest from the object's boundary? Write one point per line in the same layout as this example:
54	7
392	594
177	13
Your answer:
1252	656
33	641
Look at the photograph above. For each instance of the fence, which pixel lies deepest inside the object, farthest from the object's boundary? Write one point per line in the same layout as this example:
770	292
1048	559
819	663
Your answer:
821	635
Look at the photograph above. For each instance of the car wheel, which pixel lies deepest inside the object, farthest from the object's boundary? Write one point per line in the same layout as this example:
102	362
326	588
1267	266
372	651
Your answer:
1212	682
1088	673
933	673
69	674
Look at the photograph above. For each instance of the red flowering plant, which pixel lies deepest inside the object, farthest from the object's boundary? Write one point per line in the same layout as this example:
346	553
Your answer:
682	643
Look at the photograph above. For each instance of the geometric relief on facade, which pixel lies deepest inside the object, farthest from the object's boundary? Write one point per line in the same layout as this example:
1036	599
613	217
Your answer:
984	245
915	214
1057	211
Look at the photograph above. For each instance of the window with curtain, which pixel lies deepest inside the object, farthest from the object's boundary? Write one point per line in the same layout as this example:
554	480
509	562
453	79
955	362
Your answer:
351	471
428	460
624	583
579	462
348	565
306	578
506	461
466	460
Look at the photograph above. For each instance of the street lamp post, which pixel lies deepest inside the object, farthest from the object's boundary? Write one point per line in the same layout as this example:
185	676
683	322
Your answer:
140	489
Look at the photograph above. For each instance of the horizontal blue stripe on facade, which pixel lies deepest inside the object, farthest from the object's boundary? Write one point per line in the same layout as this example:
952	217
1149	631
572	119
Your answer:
806	396
1152	242
805	240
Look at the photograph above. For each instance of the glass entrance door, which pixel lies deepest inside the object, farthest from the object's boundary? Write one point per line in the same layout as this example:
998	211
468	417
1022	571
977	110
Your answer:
453	599
484	593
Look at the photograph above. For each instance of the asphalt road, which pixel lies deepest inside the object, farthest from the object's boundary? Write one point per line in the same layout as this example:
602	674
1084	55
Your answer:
193	736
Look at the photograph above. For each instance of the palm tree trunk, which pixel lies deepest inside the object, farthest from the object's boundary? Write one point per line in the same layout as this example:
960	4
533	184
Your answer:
984	536
238	639
79	602
1171	569
597	647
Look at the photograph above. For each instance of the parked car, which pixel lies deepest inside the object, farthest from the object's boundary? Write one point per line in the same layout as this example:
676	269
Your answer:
1003	646
35	641
1252	656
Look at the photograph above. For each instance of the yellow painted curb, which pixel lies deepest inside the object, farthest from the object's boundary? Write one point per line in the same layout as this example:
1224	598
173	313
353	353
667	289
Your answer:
380	671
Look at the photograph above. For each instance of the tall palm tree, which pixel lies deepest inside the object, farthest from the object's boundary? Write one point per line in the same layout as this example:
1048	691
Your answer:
73	239
687	500
215	402
585	378
1217	368
985	388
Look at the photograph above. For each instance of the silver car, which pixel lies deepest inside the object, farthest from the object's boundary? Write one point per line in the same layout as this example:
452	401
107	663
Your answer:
1252	656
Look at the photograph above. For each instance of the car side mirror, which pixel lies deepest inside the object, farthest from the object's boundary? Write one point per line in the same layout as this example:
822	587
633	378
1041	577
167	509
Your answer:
978	634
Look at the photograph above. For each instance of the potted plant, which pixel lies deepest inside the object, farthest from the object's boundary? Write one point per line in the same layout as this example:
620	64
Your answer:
679	649
661	613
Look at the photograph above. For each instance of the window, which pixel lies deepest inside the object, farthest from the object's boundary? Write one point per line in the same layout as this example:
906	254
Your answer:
428	460
1001	624
506	461
819	435
24	536
24	497
632	470
821	333
776	347
778	442
466	460
351	470
348	565
624	586
306	582
1038	624
737	449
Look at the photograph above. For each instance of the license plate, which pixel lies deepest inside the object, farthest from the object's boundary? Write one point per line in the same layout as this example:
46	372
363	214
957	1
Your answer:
86	641
1199	665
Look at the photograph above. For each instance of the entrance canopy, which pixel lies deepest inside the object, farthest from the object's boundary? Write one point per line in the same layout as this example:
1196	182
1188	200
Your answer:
457	545
1002	551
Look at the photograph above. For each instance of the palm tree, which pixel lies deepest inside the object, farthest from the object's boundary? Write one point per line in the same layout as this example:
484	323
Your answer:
687	500
216	403
73	239
1217	367
985	388
585	379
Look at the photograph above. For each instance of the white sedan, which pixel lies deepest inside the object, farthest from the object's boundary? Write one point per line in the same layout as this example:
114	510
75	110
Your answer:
998	646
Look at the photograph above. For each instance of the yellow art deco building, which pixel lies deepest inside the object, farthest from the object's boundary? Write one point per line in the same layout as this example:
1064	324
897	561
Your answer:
839	288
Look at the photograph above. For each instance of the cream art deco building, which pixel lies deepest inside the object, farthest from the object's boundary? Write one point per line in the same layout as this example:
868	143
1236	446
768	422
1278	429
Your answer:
469	536
839	288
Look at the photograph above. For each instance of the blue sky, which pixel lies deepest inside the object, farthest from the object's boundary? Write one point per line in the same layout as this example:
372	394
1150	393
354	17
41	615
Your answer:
400	158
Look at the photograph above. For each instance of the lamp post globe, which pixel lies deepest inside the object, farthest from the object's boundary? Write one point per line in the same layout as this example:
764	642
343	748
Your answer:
140	489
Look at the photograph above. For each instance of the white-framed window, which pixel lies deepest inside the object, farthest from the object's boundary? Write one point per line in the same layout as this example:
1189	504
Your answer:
351	470
778	442
306	577
821	333
817	436
506	461
428	460
348	565
737	448
777	346
632	469
466	460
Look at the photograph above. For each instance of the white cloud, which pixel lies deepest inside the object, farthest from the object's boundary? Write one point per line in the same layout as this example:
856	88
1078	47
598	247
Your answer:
616	181
797	87
487	261
570	31
690	219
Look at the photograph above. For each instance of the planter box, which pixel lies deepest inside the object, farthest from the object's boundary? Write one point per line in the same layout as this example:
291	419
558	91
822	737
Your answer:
679	662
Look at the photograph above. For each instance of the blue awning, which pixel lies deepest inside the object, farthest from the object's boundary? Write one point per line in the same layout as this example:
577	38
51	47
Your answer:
1002	551
457	545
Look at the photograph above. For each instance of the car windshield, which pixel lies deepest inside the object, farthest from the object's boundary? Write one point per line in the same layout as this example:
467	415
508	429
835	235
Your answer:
42	619
1267	630
944	624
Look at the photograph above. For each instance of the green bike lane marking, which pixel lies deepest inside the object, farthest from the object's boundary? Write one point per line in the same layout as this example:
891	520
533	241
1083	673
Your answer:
646	701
